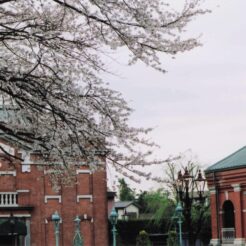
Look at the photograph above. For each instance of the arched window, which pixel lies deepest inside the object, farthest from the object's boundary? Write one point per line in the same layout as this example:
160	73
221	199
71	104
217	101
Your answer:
228	215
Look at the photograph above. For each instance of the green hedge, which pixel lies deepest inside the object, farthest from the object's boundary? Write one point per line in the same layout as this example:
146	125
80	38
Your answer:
129	230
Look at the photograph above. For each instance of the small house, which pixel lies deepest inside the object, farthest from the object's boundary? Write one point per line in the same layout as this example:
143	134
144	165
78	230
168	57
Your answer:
126	210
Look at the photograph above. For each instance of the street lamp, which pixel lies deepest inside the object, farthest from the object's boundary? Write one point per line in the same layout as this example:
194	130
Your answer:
78	240
185	185
113	220
56	219
200	184
179	212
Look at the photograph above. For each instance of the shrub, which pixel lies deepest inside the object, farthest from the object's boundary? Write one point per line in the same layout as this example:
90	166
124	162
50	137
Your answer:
143	239
172	238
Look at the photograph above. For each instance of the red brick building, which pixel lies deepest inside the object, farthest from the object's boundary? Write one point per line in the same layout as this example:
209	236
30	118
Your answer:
27	202
227	185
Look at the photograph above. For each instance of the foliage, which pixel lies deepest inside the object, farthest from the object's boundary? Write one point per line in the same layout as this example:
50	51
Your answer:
172	238
159	204
196	214
201	220
127	231
125	192
141	201
143	239
184	161
52	63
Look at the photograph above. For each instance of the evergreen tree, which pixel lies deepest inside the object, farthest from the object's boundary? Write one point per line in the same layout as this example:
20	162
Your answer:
126	193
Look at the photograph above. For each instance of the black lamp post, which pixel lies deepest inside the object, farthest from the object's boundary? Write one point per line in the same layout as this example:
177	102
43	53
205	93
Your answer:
186	185
200	185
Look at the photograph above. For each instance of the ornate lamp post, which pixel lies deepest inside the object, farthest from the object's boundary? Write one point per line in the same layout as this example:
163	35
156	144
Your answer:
113	219
78	240
200	184
186	184
179	211
56	219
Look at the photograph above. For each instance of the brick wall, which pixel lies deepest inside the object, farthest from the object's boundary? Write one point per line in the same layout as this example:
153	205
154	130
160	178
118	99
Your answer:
88	196
229	185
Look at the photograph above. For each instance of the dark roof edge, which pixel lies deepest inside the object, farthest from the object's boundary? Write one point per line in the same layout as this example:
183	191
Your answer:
130	203
210	169
224	169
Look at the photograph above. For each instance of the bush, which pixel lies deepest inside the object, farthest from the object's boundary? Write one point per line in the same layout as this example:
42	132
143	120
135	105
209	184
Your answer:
127	231
172	238
143	239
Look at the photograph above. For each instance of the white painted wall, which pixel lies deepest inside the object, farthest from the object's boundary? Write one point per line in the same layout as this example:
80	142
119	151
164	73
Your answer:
130	209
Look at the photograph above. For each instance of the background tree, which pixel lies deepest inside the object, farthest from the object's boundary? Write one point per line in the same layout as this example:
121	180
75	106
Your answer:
141	201
159	204
201	221
52	61
125	192
197	214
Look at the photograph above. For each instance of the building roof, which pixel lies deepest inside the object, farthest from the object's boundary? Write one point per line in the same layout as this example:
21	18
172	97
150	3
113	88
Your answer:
111	194
234	161
123	204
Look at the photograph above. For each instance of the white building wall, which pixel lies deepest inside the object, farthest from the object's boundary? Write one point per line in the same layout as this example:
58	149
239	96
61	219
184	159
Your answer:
130	209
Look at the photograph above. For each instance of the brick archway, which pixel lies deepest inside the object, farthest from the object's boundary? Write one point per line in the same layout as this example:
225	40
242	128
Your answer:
228	214
227	185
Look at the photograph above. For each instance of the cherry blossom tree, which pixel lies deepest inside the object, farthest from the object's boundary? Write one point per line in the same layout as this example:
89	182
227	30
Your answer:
52	61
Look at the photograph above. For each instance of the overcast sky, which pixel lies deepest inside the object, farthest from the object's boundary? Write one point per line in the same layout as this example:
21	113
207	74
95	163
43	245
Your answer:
200	104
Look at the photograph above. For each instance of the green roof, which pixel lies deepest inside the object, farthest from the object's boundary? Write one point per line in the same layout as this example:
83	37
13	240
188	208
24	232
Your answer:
233	161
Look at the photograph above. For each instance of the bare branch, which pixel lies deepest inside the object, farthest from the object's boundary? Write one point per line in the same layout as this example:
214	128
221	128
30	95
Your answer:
51	68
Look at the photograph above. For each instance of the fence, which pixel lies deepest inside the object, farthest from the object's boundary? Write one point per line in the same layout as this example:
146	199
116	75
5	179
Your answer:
228	235
8	199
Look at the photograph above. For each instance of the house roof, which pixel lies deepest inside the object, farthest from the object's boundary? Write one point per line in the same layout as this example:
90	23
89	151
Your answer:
111	194
234	161
122	204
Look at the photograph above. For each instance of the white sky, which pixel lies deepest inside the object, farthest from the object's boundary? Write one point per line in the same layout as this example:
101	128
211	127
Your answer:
200	104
